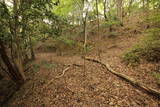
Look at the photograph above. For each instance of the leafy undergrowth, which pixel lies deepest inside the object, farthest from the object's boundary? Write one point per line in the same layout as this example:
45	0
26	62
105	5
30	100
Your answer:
43	64
149	47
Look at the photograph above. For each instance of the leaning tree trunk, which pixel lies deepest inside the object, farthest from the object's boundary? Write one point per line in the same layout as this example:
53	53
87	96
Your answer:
18	38
13	70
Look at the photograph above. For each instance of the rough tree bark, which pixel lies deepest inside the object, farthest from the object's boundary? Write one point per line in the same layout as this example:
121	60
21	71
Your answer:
13	70
18	48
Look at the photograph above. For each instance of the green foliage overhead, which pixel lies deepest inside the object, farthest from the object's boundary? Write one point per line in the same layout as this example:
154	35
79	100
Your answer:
65	7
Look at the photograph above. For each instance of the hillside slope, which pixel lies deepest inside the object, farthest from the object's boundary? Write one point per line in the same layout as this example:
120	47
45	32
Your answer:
90	85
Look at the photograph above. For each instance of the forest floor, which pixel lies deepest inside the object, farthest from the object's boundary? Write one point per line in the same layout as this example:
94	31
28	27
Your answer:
90	85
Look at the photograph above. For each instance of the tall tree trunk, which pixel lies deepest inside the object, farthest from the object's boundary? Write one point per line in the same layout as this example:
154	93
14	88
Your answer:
97	9
85	29
13	70
73	18
97	12
119	9
31	48
16	35
104	9
85	22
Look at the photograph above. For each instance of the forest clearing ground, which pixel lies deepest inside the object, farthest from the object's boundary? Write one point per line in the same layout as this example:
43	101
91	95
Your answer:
89	87
93	87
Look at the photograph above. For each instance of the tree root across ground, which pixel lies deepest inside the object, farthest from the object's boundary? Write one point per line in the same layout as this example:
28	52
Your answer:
72	88
127	78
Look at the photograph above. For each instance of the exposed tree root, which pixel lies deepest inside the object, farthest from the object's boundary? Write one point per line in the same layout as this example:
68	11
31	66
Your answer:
127	78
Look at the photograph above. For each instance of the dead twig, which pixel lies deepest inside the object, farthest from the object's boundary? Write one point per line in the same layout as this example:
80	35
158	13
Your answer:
64	71
57	77
69	66
127	78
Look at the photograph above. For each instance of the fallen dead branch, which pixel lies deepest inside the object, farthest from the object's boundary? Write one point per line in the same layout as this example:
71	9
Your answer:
63	72
66	69
69	66
127	78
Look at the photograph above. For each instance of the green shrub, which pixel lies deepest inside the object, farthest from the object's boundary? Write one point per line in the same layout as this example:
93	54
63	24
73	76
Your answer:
148	48
45	64
66	41
112	22
36	67
131	58
48	65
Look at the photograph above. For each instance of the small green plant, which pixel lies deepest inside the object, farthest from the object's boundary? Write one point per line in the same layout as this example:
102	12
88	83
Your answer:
131	58
66	41
88	48
113	34
44	64
47	65
156	75
36	67
112	22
